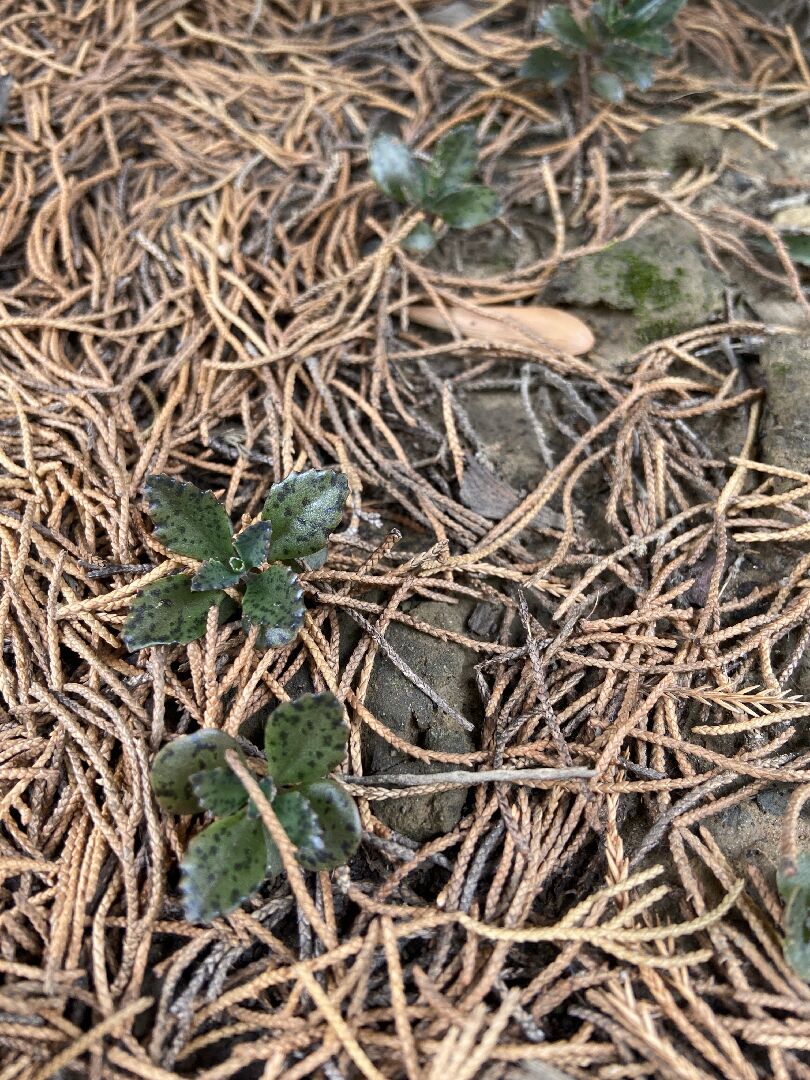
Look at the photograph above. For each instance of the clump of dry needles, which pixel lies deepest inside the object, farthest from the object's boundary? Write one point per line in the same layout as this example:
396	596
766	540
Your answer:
198	277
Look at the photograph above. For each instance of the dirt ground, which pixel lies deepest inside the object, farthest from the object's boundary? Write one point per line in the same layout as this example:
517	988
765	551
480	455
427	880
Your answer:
596	561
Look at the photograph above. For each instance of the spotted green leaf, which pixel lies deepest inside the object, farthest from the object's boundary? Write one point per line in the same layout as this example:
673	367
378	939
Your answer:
396	171
184	758
218	790
301	825
223	865
272	601
339	823
253	543
188	521
473	205
269	792
167	612
305	739
453	162
304	509
214	574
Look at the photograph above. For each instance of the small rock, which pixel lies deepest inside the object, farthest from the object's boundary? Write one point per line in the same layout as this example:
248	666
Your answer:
660	275
485	621
671	147
774	800
785	362
448	669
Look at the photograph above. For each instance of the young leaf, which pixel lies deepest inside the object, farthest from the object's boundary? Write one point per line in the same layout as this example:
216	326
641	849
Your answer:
608	87
420	239
396	171
214	574
273	601
798	245
474	205
188	521
316	561
219	791
561	24
453	162
547	64
253	543
223	865
179	761
651	41
301	825
629	64
339	822
167	612
305	739
795	892
654	14
304	509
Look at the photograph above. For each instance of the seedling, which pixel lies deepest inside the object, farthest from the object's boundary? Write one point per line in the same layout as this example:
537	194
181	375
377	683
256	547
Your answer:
441	188
617	39
298	516
793	882
304	741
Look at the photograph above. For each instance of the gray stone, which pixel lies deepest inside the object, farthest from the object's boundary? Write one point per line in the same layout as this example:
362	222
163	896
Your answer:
785	432
410	714
661	276
678	146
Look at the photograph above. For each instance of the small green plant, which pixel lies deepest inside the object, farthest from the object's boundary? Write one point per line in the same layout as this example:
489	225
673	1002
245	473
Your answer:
793	882
304	741
441	188
298	516
617	38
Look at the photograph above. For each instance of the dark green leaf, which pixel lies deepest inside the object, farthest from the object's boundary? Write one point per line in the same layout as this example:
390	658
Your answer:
396	171
473	205
167	612
795	892
188	521
561	24
629	65
273	601
547	64
420	239
188	756
798	245
339	823
653	14
253	543
214	574
651	41
305	739
301	825
304	509
223	865
219	791
608	87
453	162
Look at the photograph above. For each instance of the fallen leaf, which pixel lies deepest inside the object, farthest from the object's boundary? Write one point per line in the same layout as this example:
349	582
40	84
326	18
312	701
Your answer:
513	326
